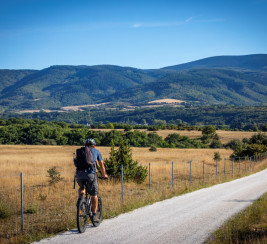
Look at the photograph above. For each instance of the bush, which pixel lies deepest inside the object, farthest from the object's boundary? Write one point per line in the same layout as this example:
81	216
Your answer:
208	133
236	145
216	144
255	145
31	210
152	149
5	209
175	140
48	142
54	176
217	156
123	156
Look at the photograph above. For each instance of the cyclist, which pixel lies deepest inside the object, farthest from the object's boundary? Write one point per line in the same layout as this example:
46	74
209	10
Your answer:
88	176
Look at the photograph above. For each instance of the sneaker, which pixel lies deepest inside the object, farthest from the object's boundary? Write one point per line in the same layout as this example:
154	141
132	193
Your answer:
95	219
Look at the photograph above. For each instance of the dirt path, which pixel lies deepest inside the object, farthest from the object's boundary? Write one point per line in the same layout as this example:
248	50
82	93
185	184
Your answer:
189	218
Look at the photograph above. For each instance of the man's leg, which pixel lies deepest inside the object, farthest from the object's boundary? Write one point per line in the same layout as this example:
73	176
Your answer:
94	203
94	208
81	192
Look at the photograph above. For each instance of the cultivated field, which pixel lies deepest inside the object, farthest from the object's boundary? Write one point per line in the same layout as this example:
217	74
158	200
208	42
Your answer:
49	209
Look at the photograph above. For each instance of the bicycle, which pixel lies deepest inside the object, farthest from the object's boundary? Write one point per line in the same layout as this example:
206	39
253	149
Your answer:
84	211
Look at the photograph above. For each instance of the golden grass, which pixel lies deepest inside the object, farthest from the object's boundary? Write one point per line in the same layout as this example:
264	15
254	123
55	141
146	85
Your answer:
249	226
54	206
225	136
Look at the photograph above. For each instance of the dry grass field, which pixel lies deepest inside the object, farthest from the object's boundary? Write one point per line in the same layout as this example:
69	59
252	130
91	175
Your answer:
225	136
49	209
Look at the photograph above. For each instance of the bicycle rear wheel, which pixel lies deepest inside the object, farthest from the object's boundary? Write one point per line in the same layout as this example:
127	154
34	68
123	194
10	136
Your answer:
81	215
98	213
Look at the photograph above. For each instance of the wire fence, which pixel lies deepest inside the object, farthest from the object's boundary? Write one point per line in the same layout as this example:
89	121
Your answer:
29	205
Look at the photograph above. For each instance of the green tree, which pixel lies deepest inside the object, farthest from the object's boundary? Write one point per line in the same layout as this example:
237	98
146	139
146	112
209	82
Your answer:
217	156
54	176
208	133
123	156
216	144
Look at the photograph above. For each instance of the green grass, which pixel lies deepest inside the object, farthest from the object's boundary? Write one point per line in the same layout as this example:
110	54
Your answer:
249	226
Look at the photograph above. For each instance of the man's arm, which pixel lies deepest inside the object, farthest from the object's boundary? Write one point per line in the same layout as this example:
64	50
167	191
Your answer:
102	169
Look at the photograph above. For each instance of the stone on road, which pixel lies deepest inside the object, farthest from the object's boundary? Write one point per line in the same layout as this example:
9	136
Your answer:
189	218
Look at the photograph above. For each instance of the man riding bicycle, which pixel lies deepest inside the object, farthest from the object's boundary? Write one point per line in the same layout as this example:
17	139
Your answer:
87	177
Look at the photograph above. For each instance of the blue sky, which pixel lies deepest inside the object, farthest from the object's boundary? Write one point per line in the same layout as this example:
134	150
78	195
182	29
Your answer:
35	34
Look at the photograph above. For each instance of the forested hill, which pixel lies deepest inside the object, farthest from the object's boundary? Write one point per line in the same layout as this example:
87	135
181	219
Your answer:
202	86
255	62
237	80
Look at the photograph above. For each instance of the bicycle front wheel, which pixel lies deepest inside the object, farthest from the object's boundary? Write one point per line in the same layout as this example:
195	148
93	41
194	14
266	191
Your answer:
81	215
98	213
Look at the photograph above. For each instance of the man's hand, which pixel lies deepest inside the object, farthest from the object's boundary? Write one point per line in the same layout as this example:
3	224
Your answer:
105	176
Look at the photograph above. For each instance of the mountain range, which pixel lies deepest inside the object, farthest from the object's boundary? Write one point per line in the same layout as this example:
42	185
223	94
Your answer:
236	80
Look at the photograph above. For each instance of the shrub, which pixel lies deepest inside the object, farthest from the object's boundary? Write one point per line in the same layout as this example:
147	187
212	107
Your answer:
42	197
5	209
258	139
31	210
216	144
54	176
208	133
255	145
123	156
217	156
152	149
48	142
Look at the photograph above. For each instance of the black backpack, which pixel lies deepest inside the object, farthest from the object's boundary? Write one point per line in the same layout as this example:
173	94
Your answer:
84	159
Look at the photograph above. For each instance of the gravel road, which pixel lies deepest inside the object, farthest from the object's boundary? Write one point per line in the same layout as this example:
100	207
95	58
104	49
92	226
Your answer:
189	218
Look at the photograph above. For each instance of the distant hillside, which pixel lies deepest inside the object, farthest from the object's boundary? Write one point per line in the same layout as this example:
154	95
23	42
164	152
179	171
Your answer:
237	80
203	86
254	62
59	86
10	77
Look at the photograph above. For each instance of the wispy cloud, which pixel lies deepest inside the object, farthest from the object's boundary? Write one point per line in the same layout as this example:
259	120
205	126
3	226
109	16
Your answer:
176	23
160	24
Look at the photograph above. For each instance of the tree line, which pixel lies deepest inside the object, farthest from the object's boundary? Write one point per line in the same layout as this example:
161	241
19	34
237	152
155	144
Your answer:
38	132
247	118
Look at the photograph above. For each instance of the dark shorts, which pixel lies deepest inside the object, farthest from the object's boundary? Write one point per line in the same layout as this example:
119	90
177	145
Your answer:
90	180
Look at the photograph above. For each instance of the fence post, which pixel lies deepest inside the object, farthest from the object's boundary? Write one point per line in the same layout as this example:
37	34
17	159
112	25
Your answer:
245	163
21	203
122	183
190	171
149	177
224	166
216	167
232	166
203	170
249	163
172	174
239	164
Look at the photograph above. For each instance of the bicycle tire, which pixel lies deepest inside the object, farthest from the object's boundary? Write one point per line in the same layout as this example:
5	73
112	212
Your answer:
98	213
82	217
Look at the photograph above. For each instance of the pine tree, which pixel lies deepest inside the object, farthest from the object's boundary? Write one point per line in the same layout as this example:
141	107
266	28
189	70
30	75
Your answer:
123	156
